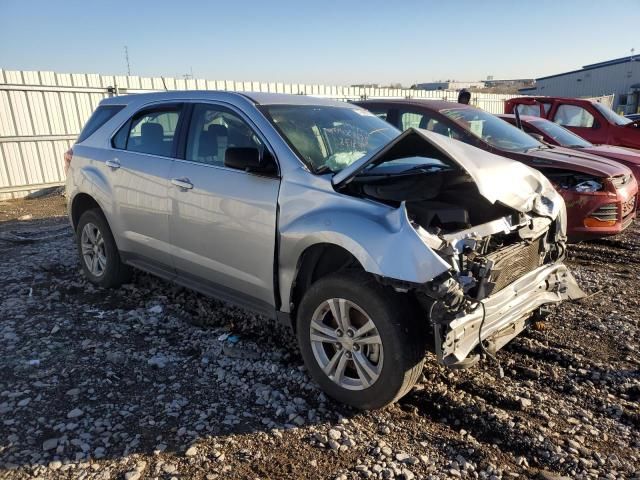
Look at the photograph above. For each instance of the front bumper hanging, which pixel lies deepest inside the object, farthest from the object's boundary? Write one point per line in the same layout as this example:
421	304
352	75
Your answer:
505	314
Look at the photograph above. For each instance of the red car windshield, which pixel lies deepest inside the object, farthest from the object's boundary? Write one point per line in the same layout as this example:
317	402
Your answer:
492	130
560	134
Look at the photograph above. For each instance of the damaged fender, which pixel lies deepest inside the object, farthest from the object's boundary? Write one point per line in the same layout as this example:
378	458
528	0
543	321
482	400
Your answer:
384	243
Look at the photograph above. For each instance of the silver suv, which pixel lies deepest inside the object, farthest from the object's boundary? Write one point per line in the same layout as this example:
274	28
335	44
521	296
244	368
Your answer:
324	216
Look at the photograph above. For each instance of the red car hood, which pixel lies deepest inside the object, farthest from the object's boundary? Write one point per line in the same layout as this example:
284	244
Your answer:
626	155
581	162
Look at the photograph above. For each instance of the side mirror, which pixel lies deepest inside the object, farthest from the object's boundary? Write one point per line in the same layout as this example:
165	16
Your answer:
537	136
250	160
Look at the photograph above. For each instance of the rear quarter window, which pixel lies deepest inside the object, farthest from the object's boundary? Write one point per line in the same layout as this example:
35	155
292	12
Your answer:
100	116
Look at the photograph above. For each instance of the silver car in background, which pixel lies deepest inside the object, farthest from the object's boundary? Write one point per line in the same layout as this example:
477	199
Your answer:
324	216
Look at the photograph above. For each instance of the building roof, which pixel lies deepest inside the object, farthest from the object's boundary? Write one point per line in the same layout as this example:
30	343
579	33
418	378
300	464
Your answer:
607	63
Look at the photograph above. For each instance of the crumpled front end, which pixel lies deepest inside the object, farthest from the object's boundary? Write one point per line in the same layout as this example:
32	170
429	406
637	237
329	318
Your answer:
498	318
500	228
502	273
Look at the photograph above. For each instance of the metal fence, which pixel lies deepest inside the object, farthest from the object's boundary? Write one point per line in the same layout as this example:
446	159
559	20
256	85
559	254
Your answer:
41	114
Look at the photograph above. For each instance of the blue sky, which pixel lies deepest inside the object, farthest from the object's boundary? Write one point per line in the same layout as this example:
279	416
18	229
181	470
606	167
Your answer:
326	41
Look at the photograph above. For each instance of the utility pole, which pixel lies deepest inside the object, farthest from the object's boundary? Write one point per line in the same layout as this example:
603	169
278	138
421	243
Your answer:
188	76
126	57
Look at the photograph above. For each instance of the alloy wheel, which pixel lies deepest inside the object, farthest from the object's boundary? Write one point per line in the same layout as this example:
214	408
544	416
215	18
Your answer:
93	249
346	344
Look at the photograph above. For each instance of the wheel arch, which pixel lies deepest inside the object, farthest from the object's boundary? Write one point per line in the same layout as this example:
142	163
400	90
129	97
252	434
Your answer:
81	203
315	262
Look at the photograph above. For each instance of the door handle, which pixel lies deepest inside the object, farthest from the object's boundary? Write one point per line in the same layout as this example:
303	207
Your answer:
115	163
183	183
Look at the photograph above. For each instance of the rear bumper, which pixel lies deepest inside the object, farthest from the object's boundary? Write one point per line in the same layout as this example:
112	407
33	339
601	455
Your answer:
505	313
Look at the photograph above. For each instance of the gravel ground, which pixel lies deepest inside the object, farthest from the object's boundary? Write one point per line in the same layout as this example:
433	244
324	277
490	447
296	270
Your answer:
154	381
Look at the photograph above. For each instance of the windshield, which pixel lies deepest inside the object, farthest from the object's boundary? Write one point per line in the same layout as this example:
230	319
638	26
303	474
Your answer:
610	115
327	137
492	130
560	134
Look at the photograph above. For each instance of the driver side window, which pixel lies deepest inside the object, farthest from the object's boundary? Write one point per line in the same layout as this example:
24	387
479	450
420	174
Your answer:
212	130
573	116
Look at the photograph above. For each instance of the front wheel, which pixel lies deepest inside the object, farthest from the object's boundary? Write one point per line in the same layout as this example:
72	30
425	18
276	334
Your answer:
360	340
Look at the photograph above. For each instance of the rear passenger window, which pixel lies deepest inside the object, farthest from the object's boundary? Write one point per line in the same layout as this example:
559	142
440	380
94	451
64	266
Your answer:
381	114
151	131
101	116
409	120
420	120
532	110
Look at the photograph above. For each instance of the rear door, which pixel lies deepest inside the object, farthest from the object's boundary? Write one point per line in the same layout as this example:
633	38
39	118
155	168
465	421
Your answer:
223	221
140	167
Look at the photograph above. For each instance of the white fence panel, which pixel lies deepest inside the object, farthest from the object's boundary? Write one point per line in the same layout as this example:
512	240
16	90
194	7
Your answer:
41	114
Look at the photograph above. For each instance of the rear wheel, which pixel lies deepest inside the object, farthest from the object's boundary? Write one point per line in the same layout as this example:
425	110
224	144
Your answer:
360	340
99	254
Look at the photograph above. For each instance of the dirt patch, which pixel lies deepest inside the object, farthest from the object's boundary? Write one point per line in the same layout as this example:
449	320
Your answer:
47	204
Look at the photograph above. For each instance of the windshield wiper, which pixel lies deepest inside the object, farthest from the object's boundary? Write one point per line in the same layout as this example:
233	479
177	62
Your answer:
426	168
535	149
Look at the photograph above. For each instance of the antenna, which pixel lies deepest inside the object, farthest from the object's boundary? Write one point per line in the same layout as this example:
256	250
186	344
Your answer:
126	58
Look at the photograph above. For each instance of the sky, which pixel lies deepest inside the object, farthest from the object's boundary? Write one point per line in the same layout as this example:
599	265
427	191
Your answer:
321	41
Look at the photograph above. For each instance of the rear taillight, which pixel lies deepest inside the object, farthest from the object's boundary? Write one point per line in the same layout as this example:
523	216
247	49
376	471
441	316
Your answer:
68	155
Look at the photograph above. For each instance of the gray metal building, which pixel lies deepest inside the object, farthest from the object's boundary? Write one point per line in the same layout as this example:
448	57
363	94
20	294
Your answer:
448	85
620	77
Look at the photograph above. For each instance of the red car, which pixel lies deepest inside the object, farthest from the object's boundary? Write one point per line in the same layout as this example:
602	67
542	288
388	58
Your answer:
554	134
600	194
593	121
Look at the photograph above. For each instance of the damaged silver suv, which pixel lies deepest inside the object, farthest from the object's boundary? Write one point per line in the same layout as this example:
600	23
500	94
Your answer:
373	245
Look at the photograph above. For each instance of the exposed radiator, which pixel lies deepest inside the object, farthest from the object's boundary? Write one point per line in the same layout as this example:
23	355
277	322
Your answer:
512	262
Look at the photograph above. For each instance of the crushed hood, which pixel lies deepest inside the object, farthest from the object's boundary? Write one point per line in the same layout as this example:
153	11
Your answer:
498	179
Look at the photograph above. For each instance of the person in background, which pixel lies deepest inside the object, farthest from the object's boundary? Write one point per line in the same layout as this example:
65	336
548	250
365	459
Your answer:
464	96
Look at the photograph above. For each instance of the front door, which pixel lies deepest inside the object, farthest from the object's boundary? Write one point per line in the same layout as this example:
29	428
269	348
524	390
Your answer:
580	121
223	221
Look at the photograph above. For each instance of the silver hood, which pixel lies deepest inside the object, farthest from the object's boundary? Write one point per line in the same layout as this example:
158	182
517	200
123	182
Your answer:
498	179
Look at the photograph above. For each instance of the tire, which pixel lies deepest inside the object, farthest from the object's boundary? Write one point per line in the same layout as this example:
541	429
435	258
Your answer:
110	271
394	365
